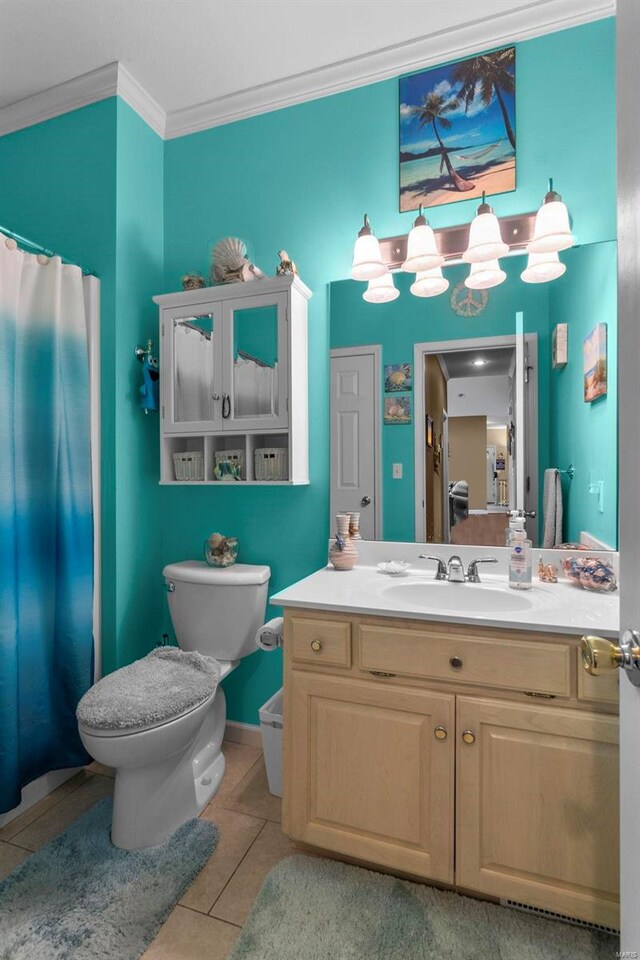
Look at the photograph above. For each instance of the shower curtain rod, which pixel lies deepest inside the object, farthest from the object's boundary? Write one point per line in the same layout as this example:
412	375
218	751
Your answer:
38	248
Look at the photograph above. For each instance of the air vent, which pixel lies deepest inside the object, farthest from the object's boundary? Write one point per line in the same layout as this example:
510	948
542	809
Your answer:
551	915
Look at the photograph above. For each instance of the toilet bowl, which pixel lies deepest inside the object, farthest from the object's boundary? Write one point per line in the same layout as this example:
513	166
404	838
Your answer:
169	768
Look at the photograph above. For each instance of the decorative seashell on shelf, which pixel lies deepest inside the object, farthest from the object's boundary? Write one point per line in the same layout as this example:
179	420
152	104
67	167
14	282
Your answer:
193	281
229	260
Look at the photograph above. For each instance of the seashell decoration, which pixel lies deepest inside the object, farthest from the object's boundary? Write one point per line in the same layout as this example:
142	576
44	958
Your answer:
193	281
230	264
591	573
220	551
286	265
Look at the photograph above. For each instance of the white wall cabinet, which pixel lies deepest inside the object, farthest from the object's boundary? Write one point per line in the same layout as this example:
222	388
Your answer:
233	375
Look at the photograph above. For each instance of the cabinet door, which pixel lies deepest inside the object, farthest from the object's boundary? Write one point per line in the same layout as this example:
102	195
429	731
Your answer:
370	779
255	371
191	369
537	818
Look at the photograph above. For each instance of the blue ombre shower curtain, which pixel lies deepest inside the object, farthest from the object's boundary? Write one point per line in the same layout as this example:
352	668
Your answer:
46	525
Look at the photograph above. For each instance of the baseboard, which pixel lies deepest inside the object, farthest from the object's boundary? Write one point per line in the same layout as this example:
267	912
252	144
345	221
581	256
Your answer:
37	790
248	733
588	540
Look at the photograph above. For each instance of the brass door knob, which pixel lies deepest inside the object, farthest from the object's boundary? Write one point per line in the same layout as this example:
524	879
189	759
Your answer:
468	736
316	646
440	733
600	655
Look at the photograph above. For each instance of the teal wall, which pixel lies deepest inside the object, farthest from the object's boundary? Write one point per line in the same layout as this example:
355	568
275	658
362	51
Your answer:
397	326
585	434
89	186
99	187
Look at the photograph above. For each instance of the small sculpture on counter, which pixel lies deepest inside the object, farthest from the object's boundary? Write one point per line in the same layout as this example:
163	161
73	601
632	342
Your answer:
193	281
286	265
591	573
343	553
547	572
220	551
230	264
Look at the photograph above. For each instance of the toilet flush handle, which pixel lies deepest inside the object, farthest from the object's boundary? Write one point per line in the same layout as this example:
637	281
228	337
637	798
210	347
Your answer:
169	586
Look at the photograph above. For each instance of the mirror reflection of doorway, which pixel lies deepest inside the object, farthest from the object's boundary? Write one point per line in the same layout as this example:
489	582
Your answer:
471	391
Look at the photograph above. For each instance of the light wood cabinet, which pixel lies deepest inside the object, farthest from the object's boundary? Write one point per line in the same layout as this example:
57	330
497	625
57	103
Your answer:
382	721
370	778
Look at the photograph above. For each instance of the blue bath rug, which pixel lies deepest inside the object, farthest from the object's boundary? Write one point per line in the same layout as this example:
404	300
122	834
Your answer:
81	898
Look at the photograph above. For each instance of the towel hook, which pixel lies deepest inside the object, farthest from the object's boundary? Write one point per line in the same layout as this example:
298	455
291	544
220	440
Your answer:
569	472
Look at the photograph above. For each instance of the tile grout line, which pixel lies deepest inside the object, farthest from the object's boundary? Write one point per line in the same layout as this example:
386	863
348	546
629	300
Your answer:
15	839
52	807
208	915
238	865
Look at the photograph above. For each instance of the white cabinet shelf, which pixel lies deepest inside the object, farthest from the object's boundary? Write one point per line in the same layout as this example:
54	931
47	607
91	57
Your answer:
233	377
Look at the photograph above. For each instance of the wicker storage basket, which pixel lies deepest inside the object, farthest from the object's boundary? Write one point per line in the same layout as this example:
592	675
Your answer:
231	456
271	463
189	465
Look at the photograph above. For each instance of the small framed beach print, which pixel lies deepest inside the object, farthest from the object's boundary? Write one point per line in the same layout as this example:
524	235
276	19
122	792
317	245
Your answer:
398	377
397	410
458	130
595	364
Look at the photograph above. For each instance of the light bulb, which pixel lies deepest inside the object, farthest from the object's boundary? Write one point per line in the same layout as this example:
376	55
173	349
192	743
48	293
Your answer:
422	252
484	275
429	283
542	267
367	259
381	290
552	230
485	240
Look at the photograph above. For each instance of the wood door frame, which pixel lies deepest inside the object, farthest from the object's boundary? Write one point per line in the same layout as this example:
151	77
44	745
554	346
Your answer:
374	350
420	351
628	183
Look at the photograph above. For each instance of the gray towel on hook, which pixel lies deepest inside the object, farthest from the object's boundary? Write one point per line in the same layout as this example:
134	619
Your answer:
552	508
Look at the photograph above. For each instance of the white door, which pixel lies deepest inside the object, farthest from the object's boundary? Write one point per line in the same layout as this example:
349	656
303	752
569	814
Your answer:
628	67
491	475
355	436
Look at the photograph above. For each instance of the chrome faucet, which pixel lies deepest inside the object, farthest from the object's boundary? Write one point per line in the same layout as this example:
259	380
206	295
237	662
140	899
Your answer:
453	569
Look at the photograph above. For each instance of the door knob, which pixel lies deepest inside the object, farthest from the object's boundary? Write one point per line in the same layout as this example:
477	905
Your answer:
600	655
365	501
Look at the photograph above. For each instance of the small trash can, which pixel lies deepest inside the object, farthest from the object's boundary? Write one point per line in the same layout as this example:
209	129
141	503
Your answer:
271	729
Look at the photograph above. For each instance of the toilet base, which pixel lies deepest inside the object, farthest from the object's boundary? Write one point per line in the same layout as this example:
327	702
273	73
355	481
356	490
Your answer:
151	802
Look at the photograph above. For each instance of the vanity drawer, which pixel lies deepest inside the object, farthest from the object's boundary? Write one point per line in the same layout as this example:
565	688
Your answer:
510	664
320	641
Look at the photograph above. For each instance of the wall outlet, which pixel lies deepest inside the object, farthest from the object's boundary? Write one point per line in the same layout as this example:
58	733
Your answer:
397	471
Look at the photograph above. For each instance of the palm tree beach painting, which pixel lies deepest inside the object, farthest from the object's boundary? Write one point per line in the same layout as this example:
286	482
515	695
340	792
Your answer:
458	131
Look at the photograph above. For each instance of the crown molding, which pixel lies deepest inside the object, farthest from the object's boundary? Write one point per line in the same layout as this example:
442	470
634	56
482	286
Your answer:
535	19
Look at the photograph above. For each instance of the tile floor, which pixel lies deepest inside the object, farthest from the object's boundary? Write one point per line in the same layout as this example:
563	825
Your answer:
208	919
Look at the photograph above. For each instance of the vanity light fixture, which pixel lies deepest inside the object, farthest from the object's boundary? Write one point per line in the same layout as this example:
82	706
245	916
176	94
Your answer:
485	239
484	275
367	259
478	362
429	283
422	251
552	231
542	267
381	289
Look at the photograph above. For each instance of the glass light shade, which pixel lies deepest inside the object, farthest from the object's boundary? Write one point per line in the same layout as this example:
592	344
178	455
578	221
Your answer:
367	259
484	275
429	283
542	267
422	252
381	290
485	239
552	231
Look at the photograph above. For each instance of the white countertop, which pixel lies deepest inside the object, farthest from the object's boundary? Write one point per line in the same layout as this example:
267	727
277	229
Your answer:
549	607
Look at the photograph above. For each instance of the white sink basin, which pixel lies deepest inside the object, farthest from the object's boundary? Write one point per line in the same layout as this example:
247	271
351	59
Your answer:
458	598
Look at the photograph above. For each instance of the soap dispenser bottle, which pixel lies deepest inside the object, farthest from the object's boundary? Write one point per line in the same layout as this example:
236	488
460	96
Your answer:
520	573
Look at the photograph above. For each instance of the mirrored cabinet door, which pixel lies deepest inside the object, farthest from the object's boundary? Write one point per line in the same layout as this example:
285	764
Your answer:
255	369
192	383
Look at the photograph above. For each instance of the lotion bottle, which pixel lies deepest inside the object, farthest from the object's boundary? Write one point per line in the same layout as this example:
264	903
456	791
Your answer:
520	572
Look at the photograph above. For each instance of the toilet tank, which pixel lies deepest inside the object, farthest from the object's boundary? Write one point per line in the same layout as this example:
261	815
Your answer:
214	610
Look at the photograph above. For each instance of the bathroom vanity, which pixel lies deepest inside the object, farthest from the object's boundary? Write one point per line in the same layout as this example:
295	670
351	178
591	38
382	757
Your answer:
463	747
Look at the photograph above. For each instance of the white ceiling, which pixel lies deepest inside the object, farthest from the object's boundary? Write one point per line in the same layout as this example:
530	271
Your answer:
202	62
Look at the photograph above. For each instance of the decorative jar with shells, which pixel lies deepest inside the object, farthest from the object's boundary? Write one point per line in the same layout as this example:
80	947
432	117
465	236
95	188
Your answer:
343	553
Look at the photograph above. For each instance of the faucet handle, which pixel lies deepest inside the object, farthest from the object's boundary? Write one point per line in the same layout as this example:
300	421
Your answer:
472	572
441	573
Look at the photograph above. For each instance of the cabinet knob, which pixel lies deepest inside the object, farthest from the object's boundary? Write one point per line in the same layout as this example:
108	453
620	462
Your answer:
468	736
455	663
440	733
316	646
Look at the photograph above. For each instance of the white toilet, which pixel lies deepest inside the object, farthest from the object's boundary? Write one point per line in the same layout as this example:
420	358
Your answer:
167	770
